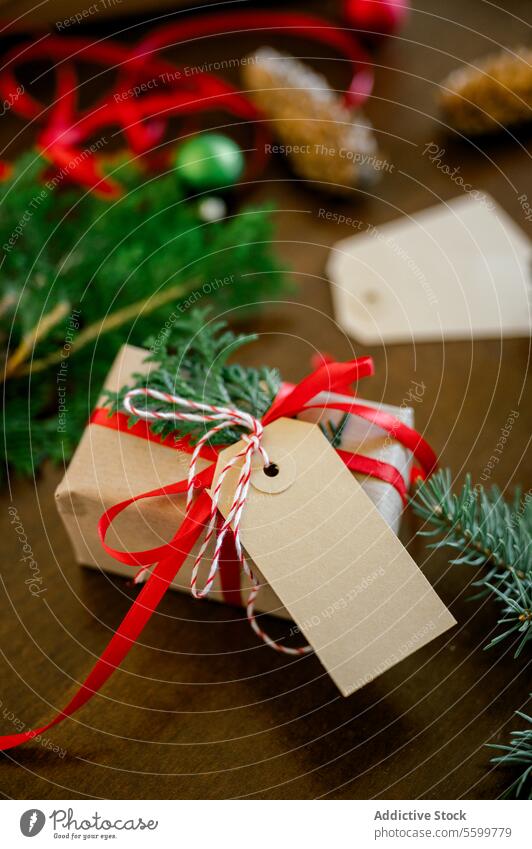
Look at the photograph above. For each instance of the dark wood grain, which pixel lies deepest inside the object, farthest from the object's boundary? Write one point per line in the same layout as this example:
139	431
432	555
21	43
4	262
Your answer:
199	709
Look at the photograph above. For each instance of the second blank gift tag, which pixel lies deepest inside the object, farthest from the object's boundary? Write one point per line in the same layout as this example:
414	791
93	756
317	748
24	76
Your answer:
317	539
459	270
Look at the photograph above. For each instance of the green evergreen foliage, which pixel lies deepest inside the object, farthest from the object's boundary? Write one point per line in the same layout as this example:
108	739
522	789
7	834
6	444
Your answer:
126	265
191	361
518	752
334	432
489	533
486	531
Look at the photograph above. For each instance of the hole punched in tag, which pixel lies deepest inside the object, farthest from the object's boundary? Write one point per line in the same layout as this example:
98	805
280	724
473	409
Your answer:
370	296
278	475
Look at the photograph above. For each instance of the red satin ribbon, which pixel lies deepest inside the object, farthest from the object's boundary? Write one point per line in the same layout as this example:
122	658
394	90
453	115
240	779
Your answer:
120	421
131	626
143	120
170	556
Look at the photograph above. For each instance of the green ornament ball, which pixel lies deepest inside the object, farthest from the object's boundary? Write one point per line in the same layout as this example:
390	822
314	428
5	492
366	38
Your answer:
209	161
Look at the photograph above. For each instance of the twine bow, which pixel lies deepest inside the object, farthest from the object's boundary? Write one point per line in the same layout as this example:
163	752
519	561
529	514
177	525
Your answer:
225	417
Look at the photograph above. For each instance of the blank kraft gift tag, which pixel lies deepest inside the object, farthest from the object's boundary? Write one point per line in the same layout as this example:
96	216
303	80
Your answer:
459	270
317	539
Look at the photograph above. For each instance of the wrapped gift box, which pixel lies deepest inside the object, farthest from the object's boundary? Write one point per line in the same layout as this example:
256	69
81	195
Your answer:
110	466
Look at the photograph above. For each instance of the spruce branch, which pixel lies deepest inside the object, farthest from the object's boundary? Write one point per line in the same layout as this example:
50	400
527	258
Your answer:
518	752
485	531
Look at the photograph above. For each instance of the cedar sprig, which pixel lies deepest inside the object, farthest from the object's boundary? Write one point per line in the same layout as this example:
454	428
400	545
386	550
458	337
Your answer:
485	531
518	752
192	362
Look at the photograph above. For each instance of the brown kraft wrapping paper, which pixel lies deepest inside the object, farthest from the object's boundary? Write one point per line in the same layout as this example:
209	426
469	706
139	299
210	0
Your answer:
109	467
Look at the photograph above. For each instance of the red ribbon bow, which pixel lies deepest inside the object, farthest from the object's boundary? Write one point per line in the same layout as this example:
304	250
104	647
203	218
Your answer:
329	377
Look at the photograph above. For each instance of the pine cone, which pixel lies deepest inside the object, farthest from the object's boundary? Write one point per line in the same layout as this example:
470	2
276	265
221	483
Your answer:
316	130
498	91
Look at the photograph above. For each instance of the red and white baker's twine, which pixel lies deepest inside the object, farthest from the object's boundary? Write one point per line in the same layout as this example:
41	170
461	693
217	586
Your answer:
225	417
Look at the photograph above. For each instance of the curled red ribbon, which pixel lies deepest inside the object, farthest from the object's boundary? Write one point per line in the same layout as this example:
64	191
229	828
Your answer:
329	377
166	91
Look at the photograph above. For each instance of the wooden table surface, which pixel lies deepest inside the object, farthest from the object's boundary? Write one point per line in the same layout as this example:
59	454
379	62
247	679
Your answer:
199	709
